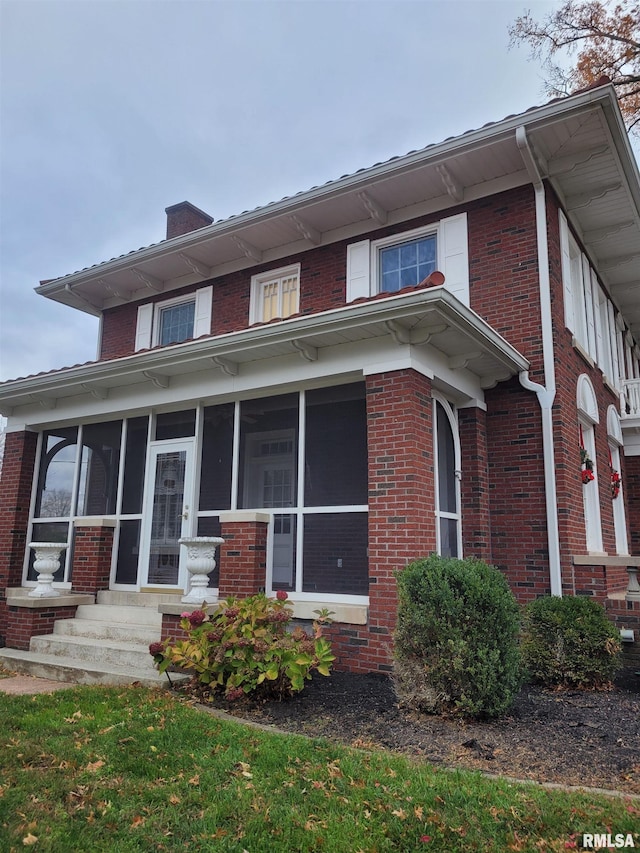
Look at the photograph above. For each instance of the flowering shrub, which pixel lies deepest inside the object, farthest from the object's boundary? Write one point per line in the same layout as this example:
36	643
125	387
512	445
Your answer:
244	645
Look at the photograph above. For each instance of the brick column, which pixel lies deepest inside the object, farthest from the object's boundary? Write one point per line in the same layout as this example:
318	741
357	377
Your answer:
243	557
33	617
92	551
401	508
474	488
15	497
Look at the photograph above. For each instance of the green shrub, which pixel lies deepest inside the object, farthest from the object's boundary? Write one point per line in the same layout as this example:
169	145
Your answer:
569	641
245	646
456	638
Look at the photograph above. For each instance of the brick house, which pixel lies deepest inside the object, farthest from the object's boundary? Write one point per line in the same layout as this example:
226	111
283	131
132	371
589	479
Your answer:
426	355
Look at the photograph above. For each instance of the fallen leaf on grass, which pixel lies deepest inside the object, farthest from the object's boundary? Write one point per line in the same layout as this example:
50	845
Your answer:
29	840
137	821
94	766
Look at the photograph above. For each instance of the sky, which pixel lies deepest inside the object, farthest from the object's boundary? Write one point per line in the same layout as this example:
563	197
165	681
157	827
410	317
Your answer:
112	110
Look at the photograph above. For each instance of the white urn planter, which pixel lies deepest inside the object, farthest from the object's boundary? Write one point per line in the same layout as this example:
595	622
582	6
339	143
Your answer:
201	561
46	564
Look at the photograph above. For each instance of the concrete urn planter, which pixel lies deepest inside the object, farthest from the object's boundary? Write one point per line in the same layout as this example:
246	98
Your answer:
46	564
201	561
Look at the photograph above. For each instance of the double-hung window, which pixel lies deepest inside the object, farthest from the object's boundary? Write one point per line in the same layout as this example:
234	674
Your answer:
174	320
275	294
404	260
406	264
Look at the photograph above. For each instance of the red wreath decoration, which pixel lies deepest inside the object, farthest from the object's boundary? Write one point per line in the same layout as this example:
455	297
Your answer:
586	462
616	480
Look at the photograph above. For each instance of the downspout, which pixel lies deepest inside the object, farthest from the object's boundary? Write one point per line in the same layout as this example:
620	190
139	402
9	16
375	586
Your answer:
546	393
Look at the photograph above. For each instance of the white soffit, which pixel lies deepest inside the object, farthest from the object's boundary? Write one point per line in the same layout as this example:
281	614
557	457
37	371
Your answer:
431	317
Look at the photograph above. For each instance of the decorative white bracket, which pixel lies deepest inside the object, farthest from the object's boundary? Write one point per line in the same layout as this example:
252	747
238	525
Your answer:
576	202
372	207
158	379
308	352
195	265
451	184
308	231
248	250
229	367
149	281
419	337
458	362
96	391
563	165
126	297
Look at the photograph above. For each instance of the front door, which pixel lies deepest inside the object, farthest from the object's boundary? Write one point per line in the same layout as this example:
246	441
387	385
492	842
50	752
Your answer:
167	513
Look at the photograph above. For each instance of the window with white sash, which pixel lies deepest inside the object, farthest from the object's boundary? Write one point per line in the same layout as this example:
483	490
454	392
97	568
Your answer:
275	293
173	321
406	259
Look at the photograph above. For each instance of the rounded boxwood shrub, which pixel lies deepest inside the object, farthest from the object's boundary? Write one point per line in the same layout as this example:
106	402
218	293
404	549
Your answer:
456	640
569	641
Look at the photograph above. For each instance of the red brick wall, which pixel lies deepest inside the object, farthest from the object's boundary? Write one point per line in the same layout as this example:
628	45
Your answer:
518	510
92	552
243	562
474	488
15	497
27	622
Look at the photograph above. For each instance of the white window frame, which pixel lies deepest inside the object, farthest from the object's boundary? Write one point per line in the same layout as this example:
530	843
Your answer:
158	309
148	322
452	417
452	258
398	240
258	283
614	437
588	418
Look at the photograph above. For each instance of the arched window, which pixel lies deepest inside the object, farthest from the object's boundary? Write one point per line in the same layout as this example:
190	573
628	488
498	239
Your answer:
614	437
587	419
447	471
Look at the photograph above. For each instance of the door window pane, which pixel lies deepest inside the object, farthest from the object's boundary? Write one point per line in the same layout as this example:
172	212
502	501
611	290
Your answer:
335	553
98	484
336	446
166	524
284	552
217	457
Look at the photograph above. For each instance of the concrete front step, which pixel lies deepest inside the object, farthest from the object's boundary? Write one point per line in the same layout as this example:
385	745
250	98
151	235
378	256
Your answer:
81	672
88	649
140	599
122	614
102	630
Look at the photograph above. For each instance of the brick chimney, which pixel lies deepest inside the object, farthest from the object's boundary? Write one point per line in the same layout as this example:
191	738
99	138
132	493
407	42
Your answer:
185	217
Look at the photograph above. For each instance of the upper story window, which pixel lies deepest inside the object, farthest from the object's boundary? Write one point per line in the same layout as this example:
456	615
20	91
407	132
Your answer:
406	264
174	320
589	314
406	259
275	293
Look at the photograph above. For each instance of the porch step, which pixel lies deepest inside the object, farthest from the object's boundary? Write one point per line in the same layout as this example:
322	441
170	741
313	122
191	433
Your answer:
106	643
101	651
101	629
75	671
139	599
126	614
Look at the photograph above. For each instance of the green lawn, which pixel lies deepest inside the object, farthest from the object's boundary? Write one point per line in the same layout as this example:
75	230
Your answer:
124	769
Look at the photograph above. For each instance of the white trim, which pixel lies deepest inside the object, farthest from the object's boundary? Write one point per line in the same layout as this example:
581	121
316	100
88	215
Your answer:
258	283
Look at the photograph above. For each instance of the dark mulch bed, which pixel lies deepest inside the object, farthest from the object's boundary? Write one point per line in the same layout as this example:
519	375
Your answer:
569	737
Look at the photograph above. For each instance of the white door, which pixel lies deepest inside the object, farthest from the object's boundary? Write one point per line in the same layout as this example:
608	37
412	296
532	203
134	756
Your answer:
167	513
